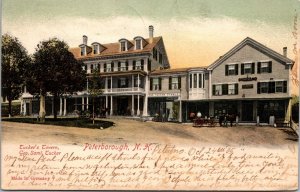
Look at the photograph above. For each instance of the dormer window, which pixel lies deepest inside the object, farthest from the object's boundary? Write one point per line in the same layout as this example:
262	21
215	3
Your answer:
138	44
96	49
123	46
82	51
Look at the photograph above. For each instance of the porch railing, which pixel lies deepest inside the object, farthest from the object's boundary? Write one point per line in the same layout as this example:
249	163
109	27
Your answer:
127	89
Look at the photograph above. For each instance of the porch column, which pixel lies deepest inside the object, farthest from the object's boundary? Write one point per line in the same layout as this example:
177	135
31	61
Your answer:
288	110
60	106
106	101
87	103
65	106
138	105
82	103
180	111
138	82
111	84
53	106
25	109
132	105
111	105
21	108
145	108
209	85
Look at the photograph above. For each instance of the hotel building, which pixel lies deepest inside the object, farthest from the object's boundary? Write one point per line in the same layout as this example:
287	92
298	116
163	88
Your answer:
250	80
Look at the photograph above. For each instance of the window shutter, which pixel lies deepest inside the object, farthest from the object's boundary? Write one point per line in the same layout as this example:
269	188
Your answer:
127	82
142	64
151	84
284	86
179	82
236	69
170	83
119	66
214	89
258	87
149	65
253	68
190	81
226	70
236	88
112	66
104	67
225	89
133	64
159	81
242	69
258	67
126	65
271	87
270	66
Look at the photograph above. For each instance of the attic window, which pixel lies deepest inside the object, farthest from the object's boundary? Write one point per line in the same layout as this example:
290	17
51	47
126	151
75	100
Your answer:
123	46
82	51
96	49
138	44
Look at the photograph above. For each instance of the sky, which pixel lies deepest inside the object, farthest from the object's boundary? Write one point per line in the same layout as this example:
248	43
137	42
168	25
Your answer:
195	32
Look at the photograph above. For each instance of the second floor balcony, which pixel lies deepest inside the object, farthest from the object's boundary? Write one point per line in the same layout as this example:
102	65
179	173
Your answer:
124	90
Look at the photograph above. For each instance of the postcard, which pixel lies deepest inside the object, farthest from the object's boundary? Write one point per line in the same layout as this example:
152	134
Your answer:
149	95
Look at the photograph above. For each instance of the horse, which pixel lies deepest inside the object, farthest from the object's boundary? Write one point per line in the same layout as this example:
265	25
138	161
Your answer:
227	118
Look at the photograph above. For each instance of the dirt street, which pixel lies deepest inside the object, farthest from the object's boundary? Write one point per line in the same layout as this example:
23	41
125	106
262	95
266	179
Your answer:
131	131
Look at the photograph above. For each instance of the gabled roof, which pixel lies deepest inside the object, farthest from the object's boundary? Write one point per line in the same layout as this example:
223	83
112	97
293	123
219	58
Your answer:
254	44
113	49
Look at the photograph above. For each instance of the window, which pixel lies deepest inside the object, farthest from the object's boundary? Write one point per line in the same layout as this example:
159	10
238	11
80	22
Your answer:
123	66
201	80
160	58
231	69
155	54
138	65
195	81
84	67
218	90
231	89
225	89
123	82
174	83
155	84
279	86
82	51
137	82
264	67
96	49
247	68
123	46
108	67
264	87
138	44
92	68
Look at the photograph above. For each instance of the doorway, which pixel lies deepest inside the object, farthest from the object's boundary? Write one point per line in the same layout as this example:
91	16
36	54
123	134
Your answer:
247	111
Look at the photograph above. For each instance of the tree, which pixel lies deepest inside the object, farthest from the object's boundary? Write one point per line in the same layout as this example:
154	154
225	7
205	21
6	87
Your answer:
55	71
14	63
96	88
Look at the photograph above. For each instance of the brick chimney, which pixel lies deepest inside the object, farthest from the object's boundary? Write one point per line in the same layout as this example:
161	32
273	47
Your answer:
84	39
151	30
285	51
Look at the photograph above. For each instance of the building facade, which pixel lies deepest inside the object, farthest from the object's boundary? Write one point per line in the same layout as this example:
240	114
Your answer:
251	81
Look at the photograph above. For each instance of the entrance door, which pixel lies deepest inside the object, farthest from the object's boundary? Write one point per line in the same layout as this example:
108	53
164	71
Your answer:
247	111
